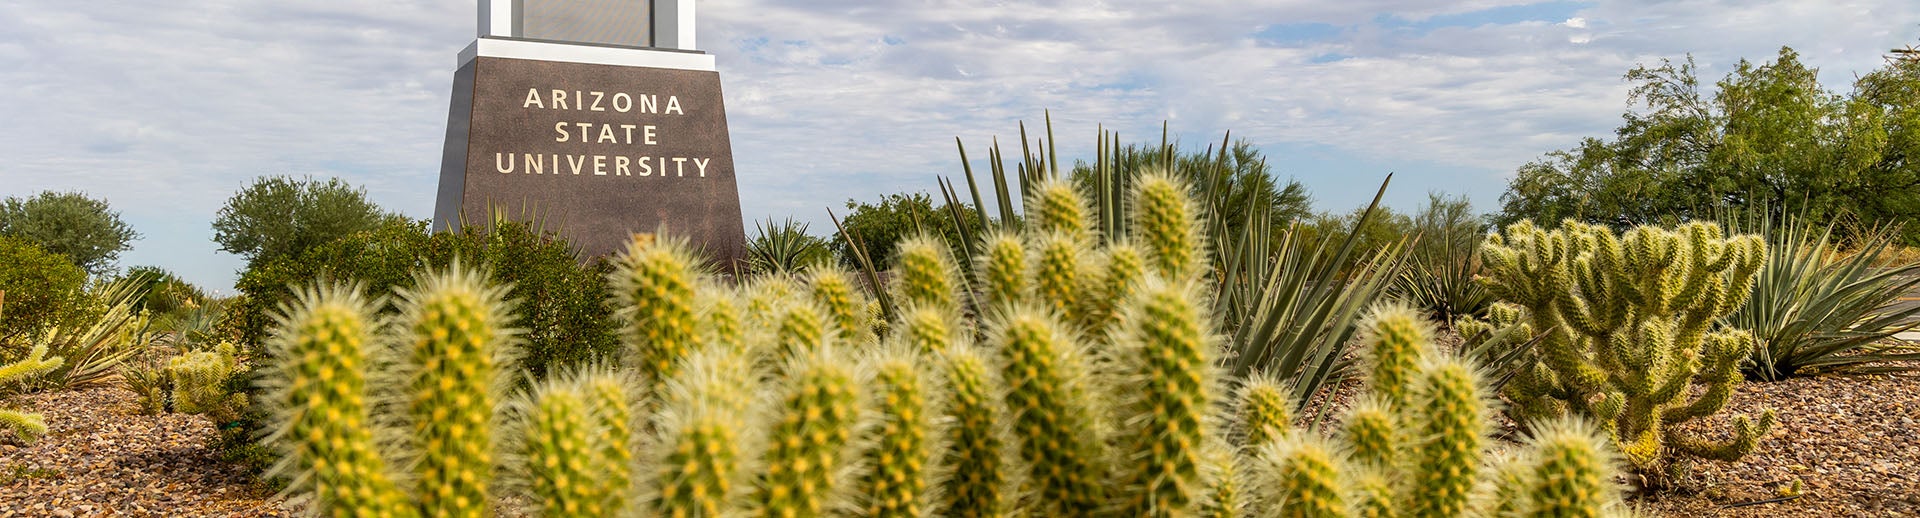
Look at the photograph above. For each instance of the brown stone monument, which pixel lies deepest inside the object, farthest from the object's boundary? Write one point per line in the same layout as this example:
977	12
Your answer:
596	116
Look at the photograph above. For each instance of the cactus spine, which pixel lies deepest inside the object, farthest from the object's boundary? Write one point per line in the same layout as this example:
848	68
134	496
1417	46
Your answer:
981	484
654	280
1263	411
1627	323
1060	274
1371	429
1167	223
563	454
1569	475
1450	409
844	304
1166	353
925	273
1302	474
28	427
319	393
703	437
454	323
1045	373
929	330
900	463
1058	207
818	417
1003	269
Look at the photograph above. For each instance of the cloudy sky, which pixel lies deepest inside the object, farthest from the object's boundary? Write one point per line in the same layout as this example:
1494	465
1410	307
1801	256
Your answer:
166	108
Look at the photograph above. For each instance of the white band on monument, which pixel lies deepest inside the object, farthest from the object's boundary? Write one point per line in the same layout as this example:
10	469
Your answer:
661	24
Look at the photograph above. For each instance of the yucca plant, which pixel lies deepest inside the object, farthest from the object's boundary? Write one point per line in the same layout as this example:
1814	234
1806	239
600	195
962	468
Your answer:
1816	308
94	351
785	247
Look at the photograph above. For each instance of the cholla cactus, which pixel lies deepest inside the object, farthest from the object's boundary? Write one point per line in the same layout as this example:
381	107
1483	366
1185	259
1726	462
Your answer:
1569	469
1166	222
1628	324
1062	267
199	383
1302	477
929	330
454	324
810	456
983	483
653	281
704	438
1002	269
1054	410
1372	429
27	427
1228	497
1450	413
319	397
1056	206
925	274
1123	267
900	465
1263	411
1166	360
845	305
1397	339
575	437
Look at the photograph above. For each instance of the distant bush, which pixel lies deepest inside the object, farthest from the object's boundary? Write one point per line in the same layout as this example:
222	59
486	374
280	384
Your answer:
880	226
82	229
41	289
166	293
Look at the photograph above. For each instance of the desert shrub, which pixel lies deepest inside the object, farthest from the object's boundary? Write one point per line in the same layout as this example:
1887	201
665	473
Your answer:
84	230
1444	260
785	247
167	295
40	290
879	226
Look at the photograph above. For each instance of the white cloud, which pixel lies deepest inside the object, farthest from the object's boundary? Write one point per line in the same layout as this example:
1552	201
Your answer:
166	108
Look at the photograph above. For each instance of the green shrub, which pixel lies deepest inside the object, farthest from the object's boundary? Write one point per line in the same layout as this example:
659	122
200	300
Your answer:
879	226
40	290
82	229
1816	308
785	247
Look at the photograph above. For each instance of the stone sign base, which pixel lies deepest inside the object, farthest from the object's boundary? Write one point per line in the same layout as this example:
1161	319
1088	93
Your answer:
597	142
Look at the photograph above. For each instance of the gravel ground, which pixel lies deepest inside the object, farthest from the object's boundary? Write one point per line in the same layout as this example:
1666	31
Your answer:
101	458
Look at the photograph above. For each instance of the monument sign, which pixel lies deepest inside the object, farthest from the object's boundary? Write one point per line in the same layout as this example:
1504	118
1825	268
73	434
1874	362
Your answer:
597	116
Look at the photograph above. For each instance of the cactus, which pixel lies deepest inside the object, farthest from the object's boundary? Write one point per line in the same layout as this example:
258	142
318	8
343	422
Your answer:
703	437
1166	359
1450	414
1123	269
1569	478
200	383
1371	428
1302	475
1166	221
454	324
27	427
929	330
1060	275
654	280
720	321
1628	330
574	461
1263	411
1396	338
1057	207
1002	269
845	305
1222	468
318	393
1372	495
982	482
900	465
1054	411
818	418
802	328
611	399
925	274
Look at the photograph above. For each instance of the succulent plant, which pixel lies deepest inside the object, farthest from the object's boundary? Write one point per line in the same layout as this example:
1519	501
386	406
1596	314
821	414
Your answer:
1165	354
27	427
900	465
1055	413
979	454
818	417
654	281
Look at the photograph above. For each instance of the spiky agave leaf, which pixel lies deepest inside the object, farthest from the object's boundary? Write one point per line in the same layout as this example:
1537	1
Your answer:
1165	358
317	393
455	325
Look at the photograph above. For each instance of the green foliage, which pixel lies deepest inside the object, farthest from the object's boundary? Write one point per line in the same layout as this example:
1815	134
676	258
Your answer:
1627	330
167	295
83	229
1443	261
283	216
95	349
785	247
1767	137
1815	308
40	289
880	226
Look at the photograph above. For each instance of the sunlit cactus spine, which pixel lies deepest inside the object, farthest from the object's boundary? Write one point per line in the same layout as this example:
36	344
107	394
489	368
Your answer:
1301	477
1056	206
1060	274
1122	266
1395	338
654	282
929	330
1629	323
455	324
705	438
899	465
612	399
1166	223
1002	269
1570	471
1372	430
318	393
982	484
925	274
810	441
1263	411
27	427
564	467
1054	410
1167	364
720	319
1372	494
1450	416
845	305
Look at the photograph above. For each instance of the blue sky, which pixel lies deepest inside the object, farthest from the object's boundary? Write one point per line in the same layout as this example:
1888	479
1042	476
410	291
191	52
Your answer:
166	108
